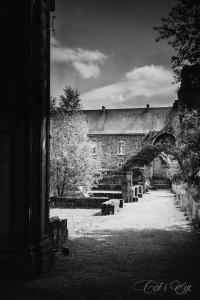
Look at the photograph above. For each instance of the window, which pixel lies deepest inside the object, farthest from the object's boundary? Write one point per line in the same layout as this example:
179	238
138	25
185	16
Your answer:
121	148
94	149
120	165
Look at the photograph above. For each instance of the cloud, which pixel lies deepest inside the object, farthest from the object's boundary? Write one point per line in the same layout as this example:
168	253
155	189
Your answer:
146	84
152	73
54	42
87	70
85	61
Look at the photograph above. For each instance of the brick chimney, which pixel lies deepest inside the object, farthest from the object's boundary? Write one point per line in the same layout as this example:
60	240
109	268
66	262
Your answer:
103	110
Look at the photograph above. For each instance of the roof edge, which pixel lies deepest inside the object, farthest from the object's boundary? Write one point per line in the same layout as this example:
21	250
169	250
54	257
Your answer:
119	134
133	108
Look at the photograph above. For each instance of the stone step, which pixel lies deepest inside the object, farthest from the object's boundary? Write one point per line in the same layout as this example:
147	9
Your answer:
160	181
160	186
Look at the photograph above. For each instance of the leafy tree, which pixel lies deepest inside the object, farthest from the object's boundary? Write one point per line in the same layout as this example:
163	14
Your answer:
70	101
182	30
67	104
174	169
72	165
189	91
53	108
189	143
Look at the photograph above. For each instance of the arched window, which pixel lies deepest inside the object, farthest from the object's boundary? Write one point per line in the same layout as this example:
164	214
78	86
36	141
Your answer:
121	148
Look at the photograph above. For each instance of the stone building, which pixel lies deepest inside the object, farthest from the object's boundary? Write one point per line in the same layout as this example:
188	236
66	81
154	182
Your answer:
120	133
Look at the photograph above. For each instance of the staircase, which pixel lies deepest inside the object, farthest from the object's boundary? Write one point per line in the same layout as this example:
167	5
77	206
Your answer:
110	185
158	184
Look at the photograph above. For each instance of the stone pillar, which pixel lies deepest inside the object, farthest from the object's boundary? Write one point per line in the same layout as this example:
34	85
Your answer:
127	187
25	247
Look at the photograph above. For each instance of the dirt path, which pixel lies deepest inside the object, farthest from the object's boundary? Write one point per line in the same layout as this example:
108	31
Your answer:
147	240
156	210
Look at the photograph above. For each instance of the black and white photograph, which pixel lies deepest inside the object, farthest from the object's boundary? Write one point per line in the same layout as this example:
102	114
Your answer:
100	150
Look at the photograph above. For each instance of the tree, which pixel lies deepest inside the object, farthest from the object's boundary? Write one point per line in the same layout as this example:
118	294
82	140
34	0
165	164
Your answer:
69	101
53	108
67	104
72	165
189	141
182	30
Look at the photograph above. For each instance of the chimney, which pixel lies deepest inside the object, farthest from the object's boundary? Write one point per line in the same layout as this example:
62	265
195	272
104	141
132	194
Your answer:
175	105
103	109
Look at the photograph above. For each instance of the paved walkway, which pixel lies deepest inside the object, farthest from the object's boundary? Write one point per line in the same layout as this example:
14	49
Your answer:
156	210
147	250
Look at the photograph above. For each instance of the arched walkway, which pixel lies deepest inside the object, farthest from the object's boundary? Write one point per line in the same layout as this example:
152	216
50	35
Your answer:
149	153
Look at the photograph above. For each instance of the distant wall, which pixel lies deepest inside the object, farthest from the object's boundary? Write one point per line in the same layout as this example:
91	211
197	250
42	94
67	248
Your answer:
90	202
109	148
160	169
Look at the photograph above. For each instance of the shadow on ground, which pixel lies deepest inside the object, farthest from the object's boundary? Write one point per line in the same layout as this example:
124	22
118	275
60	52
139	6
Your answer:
107	265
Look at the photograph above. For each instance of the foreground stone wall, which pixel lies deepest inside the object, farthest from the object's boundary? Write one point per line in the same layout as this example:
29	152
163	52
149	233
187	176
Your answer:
188	197
109	148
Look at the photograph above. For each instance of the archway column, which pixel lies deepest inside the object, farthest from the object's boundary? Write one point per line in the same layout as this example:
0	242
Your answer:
25	246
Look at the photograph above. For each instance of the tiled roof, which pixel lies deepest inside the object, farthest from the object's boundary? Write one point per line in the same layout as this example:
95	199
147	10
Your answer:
127	121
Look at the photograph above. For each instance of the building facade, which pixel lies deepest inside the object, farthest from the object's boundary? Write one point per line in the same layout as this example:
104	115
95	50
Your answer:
119	134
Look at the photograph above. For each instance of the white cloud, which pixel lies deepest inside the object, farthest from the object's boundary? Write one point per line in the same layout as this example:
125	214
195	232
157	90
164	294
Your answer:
141	85
152	73
54	42
87	70
85	61
66	54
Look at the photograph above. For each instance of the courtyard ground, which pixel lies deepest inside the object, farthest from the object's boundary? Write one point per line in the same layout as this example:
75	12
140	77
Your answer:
148	250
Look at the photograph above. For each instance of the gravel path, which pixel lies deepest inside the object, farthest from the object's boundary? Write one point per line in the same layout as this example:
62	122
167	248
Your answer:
109	255
156	210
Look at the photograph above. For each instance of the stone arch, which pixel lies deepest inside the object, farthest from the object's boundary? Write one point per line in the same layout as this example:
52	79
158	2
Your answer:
149	153
165	138
144	157
160	165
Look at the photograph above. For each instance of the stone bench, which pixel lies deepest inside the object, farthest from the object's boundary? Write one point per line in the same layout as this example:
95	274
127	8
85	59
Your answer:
111	206
140	191
135	193
121	203
58	232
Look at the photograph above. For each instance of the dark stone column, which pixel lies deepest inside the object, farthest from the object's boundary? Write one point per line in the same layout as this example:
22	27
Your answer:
25	247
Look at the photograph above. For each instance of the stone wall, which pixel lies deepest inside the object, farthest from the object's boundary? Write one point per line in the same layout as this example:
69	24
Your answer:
90	202
58	232
109	148
188	197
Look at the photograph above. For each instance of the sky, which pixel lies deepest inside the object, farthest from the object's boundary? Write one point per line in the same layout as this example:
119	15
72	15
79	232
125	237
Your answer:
106	49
